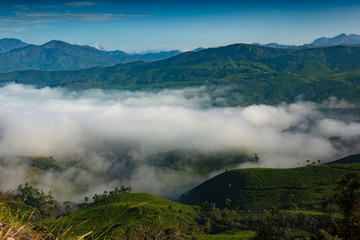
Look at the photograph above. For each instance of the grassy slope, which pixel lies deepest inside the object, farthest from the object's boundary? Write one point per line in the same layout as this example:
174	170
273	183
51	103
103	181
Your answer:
261	188
116	214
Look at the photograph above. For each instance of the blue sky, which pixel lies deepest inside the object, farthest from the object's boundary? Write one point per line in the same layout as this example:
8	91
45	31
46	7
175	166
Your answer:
163	25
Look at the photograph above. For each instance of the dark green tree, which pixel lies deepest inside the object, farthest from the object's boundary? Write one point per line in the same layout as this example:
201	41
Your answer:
348	200
46	205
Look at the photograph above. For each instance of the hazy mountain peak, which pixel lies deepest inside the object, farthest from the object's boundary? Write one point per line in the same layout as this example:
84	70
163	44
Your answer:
341	39
275	45
8	44
96	45
55	43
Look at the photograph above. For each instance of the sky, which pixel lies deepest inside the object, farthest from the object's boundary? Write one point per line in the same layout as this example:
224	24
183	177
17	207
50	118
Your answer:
134	26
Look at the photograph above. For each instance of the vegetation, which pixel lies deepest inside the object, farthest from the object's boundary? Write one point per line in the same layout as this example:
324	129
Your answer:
199	162
45	205
43	163
331	213
263	188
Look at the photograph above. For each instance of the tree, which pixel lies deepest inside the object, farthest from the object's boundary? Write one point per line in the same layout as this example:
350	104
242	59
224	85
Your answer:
269	228
348	199
327	207
68	207
44	203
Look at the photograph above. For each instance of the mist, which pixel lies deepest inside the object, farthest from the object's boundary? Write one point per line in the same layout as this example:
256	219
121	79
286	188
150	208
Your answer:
103	139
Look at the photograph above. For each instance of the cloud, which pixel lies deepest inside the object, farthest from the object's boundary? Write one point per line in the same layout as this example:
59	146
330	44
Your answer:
27	18
79	4
105	139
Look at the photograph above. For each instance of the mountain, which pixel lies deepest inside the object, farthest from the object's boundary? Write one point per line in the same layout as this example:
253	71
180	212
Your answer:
146	56
16	55
54	55
198	49
263	188
276	45
342	39
8	44
259	74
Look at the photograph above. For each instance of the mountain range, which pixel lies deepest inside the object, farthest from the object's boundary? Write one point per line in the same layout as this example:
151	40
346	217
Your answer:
54	55
342	39
146	56
259	74
16	55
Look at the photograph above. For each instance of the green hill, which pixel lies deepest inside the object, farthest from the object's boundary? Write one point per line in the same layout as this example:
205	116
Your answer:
259	74
263	188
132	213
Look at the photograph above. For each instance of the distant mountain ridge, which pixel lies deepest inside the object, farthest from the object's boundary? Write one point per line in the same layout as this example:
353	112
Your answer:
8	44
260	74
54	55
16	55
148	56
276	45
342	39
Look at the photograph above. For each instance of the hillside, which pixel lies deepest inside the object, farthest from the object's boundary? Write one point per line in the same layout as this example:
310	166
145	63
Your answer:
130	213
114	215
261	188
259	74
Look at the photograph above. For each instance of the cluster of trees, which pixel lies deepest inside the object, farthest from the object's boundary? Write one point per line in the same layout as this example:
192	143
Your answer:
215	220
347	199
46	206
44	163
71	207
116	191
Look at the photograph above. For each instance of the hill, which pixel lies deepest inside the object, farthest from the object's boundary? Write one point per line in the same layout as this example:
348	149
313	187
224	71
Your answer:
263	188
259	74
131	213
8	44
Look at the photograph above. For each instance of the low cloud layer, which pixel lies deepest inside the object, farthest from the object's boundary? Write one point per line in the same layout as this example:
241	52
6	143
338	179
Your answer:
104	138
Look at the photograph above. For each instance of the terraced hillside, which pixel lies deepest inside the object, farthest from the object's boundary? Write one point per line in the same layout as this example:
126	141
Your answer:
263	188
132	214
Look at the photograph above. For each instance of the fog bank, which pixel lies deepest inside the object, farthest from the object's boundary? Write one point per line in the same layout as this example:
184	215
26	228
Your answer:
104	138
